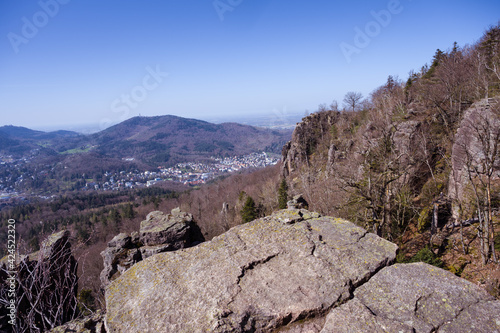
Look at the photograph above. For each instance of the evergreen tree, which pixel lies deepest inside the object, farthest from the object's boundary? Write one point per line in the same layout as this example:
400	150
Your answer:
128	211
248	212
283	194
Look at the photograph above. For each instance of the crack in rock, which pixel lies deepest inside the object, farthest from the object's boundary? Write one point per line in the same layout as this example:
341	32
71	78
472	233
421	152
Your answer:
252	265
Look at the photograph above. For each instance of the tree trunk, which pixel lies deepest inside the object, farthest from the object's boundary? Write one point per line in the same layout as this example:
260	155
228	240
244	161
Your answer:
435	217
490	227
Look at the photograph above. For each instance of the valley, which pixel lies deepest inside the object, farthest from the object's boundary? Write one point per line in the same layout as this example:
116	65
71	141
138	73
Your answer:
139	152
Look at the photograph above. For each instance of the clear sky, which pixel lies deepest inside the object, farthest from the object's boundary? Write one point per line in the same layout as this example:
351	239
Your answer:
74	62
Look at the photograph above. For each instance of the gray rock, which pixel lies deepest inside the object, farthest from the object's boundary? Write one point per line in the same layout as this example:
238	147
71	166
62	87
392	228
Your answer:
159	233
467	139
298	202
416	298
148	251
354	316
116	261
121	240
90	324
257	277
177	229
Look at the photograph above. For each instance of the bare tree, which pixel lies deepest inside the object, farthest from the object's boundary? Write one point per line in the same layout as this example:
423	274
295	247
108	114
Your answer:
490	48
352	100
46	287
480	152
334	106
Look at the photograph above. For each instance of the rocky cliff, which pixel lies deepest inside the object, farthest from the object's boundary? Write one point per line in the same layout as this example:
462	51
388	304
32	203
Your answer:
475	150
294	271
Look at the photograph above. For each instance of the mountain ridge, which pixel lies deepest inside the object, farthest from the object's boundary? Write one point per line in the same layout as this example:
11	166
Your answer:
139	143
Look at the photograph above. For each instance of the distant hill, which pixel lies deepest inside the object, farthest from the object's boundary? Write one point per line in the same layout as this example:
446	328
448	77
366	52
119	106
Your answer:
23	133
150	141
169	139
19	141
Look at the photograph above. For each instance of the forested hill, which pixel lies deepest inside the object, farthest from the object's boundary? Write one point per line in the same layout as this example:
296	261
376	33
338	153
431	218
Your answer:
40	162
169	138
418	162
146	137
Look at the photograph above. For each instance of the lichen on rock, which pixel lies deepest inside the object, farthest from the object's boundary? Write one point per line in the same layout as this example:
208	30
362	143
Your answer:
256	277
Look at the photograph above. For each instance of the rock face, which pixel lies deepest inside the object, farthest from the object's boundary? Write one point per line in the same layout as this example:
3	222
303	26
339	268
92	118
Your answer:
474	145
91	324
297	202
294	272
304	139
282	271
416	298
160	232
48	284
176	229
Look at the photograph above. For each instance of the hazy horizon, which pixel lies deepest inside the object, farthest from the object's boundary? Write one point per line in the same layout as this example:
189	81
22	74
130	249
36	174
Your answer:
275	119
66	63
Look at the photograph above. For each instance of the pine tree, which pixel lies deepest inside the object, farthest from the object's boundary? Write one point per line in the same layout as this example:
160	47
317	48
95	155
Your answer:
248	212
128	211
283	194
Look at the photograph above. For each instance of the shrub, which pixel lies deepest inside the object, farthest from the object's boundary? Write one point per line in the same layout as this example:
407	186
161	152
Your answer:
427	256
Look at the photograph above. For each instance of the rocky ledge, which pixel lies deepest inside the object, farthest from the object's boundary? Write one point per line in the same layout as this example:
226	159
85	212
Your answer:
282	271
159	232
294	271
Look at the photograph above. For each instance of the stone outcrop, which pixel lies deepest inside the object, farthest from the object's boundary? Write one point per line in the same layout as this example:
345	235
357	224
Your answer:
159	232
90	324
176	229
294	272
305	138
416	298
297	202
48	284
478	128
276	272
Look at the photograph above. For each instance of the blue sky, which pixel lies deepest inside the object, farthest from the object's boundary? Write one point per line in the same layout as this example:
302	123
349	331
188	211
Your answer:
75	62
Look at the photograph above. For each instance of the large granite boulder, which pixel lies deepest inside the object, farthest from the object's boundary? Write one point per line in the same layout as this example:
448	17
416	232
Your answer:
416	298
176	229
295	272
284	271
160	232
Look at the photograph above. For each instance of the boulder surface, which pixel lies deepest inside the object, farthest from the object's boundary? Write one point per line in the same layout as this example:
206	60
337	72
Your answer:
416	298
159	232
295	272
282	271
